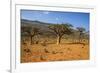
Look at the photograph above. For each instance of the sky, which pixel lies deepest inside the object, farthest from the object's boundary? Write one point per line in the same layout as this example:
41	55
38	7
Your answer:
77	19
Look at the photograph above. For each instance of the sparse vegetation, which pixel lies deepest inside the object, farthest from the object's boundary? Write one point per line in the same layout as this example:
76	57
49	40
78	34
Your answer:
52	42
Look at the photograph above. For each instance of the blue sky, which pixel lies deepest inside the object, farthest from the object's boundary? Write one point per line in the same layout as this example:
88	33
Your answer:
77	19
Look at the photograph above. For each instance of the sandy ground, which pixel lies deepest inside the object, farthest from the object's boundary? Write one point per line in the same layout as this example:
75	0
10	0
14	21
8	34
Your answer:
53	52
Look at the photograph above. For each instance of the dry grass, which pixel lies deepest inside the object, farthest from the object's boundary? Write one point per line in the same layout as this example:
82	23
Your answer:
53	52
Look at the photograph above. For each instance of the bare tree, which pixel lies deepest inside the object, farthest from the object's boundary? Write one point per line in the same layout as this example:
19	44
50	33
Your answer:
60	30
81	31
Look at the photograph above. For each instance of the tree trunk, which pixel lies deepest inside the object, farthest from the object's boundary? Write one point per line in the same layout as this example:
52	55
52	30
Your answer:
31	40
58	40
79	38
